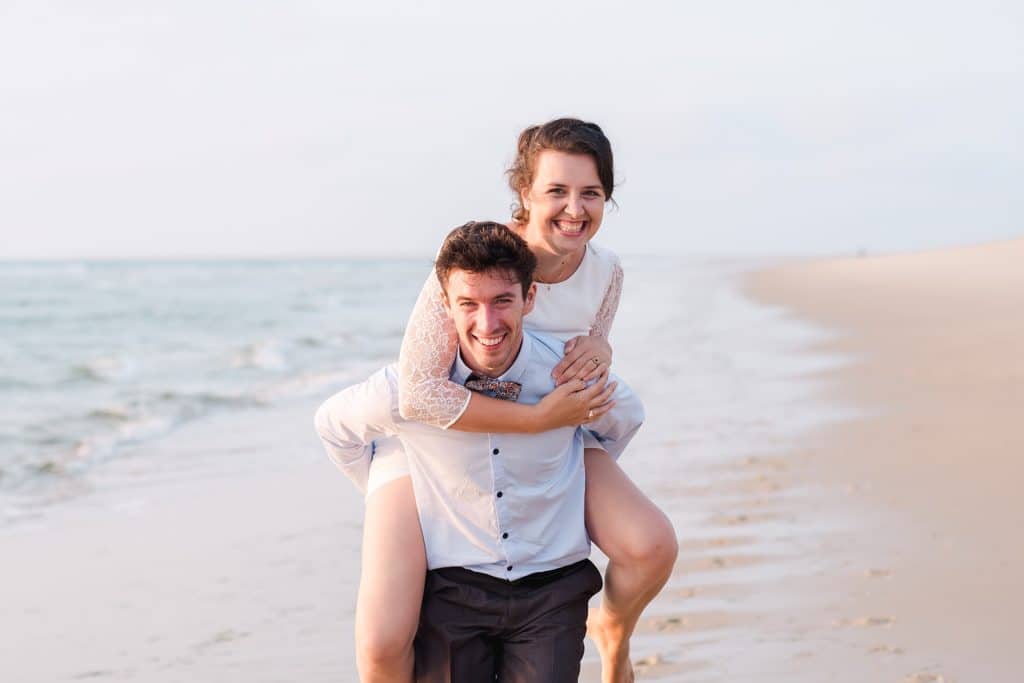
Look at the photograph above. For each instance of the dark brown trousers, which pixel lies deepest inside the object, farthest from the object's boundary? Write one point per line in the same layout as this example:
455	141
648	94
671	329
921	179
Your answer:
475	628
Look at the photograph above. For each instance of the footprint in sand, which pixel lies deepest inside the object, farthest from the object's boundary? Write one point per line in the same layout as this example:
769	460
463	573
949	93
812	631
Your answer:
670	624
693	545
656	666
694	622
866	621
927	677
225	636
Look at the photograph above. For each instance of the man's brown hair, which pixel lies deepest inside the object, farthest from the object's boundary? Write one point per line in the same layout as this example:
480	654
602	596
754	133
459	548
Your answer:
481	246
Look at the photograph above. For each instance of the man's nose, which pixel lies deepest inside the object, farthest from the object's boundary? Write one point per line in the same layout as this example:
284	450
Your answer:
487	318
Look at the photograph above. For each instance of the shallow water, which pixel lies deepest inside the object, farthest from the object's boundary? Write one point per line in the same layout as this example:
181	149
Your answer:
97	358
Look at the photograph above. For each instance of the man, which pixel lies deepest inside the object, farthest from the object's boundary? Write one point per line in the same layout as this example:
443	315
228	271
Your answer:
502	514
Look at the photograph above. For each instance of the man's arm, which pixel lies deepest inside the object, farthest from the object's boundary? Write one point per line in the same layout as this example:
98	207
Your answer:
349	421
614	430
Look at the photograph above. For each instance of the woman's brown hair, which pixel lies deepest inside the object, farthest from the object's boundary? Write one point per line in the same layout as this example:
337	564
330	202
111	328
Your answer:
564	135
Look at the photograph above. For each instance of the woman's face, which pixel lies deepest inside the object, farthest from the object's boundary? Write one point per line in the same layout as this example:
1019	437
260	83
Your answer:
566	202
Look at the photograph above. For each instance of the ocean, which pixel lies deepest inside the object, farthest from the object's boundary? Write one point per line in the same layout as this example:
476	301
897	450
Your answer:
99	358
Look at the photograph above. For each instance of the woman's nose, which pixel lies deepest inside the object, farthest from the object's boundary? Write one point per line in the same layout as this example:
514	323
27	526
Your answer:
574	206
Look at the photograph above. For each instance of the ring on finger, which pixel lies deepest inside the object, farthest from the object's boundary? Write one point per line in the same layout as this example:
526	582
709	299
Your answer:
590	414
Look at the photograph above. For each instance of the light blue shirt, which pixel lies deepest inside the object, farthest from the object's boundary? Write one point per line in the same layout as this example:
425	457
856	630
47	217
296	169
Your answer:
506	505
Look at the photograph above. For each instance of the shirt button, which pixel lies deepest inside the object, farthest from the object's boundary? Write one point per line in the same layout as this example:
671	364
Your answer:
495	452
505	535
508	568
500	494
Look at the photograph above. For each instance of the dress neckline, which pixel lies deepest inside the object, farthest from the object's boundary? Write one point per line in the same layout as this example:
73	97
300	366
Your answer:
579	267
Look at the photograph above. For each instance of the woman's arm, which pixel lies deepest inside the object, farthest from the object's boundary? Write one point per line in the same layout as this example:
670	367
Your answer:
428	350
426	394
602	326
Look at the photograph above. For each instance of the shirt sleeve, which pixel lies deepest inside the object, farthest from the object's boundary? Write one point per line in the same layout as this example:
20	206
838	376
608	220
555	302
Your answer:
615	429
349	421
425	393
602	326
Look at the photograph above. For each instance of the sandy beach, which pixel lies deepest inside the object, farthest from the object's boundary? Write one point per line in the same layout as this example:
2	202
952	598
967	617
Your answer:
934	464
837	443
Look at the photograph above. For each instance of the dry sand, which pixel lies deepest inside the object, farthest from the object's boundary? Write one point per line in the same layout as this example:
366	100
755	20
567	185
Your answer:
929	586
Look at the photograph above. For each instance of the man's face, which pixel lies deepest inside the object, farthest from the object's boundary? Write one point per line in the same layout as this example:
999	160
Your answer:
488	310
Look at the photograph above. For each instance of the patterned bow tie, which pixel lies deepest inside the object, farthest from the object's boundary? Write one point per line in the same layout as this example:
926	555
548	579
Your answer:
506	390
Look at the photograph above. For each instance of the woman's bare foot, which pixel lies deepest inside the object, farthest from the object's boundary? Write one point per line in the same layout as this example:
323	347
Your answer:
613	646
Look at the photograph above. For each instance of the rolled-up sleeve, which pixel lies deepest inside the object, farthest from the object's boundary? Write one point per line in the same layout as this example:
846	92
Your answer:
349	421
614	430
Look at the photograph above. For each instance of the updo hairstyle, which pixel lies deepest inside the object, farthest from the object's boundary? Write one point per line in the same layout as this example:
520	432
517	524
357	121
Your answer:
563	135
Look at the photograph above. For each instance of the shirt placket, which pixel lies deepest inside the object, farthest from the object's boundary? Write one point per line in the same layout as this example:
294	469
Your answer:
502	505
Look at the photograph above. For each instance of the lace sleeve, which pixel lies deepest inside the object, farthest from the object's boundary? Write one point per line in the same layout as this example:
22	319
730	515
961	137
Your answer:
425	393
606	314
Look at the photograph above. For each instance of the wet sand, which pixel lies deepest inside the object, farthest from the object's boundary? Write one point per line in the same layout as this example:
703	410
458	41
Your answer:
930	581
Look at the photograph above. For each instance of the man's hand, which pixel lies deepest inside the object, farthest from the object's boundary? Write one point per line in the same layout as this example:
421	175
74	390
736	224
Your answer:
574	403
585	358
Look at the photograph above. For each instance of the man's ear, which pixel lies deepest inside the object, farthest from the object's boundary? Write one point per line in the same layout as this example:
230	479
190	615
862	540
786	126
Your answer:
531	295
444	302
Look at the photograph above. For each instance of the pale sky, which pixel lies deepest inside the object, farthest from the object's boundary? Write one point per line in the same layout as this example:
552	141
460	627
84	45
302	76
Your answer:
330	129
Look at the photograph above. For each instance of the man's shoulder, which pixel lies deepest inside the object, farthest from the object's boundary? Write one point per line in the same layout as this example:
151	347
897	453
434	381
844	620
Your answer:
545	348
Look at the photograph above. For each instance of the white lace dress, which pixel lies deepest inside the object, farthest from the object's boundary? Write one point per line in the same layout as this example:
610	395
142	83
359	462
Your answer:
585	303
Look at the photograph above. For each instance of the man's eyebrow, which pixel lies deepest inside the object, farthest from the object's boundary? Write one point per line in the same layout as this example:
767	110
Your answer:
499	295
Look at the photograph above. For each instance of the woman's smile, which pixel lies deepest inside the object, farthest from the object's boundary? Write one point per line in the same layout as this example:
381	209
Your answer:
571	228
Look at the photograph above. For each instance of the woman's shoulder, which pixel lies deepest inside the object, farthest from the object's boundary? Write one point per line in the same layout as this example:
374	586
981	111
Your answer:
607	258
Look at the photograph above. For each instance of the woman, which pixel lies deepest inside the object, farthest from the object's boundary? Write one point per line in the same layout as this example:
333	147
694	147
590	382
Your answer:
562	177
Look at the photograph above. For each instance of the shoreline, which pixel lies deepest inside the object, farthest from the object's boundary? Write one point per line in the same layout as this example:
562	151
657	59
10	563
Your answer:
934	463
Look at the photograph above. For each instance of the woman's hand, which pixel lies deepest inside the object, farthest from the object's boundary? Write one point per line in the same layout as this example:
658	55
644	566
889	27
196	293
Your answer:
574	403
585	358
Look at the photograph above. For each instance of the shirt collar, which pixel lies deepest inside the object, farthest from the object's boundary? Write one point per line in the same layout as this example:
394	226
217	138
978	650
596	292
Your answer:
461	372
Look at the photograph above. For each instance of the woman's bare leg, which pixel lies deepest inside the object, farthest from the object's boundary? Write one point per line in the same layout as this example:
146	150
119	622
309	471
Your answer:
391	585
641	546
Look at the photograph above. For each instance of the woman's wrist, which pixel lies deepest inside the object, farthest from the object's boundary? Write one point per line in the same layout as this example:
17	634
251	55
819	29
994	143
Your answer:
537	420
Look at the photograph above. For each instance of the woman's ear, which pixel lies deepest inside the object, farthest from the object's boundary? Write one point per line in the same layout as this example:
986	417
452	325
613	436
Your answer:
524	199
